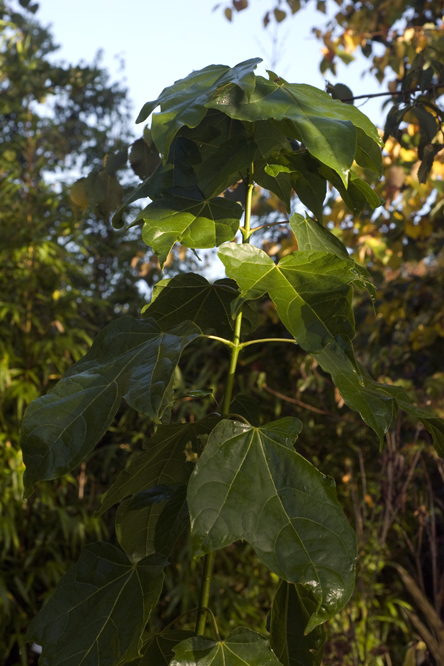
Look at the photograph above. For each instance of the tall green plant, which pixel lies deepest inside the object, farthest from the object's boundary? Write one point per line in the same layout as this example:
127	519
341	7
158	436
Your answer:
228	476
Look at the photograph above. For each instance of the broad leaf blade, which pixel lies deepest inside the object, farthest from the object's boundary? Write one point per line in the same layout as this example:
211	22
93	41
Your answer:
326	127
152	521
190	296
158	648
312	235
250	484
132	359
99	609
311	291
243	646
194	223
184	103
292	607
368	153
163	463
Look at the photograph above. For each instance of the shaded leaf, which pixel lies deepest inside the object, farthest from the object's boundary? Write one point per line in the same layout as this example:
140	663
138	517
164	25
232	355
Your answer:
194	223
158	648
243	646
78	194
173	521
276	180
191	296
292	607
138	528
248	407
226	166
131	359
100	607
250	484
115	161
144	159
163	463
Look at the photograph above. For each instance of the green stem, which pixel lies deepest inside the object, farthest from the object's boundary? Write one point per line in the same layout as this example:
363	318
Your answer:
230	343
236	346
204	593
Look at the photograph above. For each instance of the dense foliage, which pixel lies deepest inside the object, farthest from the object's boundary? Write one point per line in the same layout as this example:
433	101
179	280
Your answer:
230	475
63	277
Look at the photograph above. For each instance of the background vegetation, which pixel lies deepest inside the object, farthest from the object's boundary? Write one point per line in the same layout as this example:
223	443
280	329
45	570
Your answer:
66	272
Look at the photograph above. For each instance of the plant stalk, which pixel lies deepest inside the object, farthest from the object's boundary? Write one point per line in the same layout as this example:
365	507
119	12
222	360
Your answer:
235	349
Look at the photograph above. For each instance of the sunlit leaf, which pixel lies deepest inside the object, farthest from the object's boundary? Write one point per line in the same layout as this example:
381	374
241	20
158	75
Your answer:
184	103
311	291
99	609
250	483
326	127
192	222
312	235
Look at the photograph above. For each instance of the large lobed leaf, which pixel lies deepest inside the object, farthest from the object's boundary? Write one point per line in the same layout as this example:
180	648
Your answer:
191	296
311	290
312	235
333	132
164	462
327	128
196	223
99	609
131	359
251	484
243	646
184	103
152	521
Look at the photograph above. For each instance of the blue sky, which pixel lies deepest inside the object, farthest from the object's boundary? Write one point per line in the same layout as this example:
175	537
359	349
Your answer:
161	42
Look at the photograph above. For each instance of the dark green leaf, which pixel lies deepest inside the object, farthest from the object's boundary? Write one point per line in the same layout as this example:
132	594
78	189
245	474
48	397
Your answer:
275	179
143	159
158	648
429	154
249	408
115	161
269	138
326	127
164	462
304	178
226	166
185	102
173	521
131	359
428	124
311	291
242	647
194	223
250	484
99	609
292	607
190	296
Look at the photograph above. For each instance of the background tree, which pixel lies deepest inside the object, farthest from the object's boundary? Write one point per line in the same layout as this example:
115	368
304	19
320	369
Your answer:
65	273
